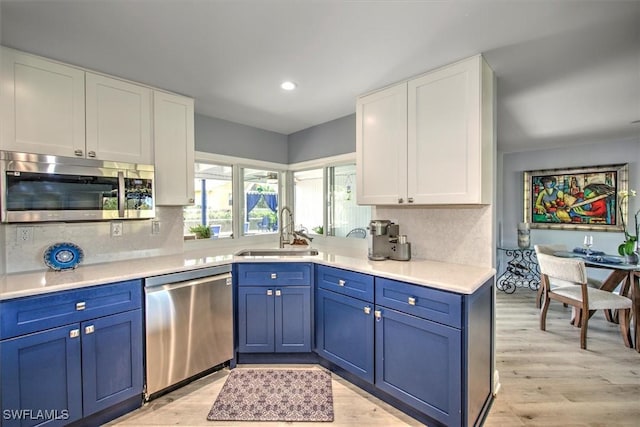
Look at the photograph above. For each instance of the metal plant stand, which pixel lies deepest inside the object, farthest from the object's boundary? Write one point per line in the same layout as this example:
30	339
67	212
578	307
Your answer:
522	270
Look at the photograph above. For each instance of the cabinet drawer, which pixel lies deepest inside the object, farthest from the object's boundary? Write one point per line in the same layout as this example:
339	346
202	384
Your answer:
439	306
345	282
274	274
30	314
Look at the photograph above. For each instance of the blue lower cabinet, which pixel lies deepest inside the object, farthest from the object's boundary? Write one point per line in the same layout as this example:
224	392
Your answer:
71	354
345	332
274	319
293	319
111	360
41	378
419	362
255	320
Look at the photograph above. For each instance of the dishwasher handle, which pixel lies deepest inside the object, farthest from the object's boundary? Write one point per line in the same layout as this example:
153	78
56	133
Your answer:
187	283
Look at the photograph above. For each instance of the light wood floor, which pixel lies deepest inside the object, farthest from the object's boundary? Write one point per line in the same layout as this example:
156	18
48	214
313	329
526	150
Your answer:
546	380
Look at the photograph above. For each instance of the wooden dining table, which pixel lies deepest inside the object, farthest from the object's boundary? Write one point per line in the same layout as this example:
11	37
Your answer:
627	274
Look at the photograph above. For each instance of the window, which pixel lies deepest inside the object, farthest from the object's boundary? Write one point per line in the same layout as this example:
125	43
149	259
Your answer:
214	201
260	189
343	213
308	196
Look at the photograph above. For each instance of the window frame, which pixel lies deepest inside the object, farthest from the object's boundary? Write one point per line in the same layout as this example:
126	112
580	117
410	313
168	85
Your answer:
285	193
238	164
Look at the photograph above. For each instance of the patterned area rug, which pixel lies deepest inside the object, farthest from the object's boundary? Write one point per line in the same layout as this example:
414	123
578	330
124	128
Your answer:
274	395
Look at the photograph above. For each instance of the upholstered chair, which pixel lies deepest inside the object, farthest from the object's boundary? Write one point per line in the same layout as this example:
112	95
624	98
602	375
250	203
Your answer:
550	250
578	294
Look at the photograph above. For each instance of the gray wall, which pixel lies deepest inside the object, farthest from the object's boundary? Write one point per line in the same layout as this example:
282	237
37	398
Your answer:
510	199
232	139
327	139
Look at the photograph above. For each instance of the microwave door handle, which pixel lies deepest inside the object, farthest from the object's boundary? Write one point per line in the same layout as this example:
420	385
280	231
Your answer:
121	194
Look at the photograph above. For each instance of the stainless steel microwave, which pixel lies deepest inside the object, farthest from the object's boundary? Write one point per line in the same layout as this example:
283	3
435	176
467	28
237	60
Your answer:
37	188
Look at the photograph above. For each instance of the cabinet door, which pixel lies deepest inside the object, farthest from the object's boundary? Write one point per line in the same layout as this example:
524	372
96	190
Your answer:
344	332
111	360
41	372
42	105
118	120
174	147
444	135
256	320
381	146
293	319
419	362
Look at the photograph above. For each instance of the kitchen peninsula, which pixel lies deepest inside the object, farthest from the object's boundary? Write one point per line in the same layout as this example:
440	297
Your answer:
442	299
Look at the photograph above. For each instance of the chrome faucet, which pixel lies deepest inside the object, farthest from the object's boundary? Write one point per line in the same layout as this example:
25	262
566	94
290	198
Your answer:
288	227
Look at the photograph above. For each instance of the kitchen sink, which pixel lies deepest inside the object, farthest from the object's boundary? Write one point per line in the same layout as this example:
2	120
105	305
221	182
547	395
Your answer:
277	252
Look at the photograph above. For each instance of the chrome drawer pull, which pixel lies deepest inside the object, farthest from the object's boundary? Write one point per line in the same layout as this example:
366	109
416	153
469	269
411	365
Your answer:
74	333
91	153
269	292
411	301
367	310
80	306
278	292
78	153
341	282
274	275
378	315
89	329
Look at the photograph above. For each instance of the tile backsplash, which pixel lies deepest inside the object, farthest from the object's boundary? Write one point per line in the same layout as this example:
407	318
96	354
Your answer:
137	240
461	235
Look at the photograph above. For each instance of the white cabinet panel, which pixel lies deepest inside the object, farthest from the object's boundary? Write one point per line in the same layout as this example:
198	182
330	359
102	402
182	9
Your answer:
444	135
118	120
42	105
381	146
174	146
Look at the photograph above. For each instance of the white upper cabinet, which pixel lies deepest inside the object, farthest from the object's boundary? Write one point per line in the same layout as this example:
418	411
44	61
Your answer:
446	156
42	105
381	146
54	109
174	140
118	117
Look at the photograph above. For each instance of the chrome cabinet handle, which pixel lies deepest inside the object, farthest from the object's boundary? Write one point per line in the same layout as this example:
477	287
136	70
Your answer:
91	153
400	200
411	301
378	315
78	153
269	292
410	199
341	282
278	292
191	200
274	275
367	310
81	306
89	329
74	333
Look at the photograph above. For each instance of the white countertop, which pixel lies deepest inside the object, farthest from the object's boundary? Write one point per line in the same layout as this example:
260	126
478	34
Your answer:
446	276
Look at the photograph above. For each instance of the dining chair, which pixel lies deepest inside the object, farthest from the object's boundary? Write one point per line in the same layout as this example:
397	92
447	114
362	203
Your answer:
578	294
358	233
550	250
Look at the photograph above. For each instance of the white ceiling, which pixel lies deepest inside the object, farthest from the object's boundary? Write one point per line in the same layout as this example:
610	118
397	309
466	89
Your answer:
568	72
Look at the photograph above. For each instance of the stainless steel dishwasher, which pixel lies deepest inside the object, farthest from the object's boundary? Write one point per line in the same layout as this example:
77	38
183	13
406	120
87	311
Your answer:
189	325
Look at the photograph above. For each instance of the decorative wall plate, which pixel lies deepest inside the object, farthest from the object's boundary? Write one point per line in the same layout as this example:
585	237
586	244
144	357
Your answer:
63	256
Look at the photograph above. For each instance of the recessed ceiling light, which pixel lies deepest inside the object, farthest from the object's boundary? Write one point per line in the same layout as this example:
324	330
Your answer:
288	85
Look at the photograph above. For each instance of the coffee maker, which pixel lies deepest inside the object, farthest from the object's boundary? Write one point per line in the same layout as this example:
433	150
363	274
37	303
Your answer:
385	241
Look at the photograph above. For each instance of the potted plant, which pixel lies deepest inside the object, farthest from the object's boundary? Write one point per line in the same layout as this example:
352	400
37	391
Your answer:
201	231
628	247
